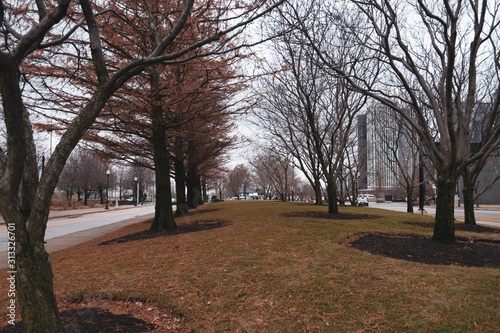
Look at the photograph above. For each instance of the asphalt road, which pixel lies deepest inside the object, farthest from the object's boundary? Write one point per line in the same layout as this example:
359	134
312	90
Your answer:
485	215
69	228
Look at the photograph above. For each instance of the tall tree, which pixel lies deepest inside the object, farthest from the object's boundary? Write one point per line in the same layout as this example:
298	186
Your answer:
57	34
278	169
431	57
471	174
311	106
183	108
162	101
238	179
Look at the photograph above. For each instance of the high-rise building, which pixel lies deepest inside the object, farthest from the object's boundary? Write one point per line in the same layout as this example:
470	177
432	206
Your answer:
386	146
383	147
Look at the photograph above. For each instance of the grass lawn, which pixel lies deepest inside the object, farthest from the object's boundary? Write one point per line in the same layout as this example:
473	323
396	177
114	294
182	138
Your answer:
256	266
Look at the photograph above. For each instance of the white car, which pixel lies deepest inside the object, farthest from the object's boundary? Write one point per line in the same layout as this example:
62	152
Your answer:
363	201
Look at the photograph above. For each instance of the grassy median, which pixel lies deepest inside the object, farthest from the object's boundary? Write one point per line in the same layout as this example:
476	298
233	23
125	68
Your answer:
254	266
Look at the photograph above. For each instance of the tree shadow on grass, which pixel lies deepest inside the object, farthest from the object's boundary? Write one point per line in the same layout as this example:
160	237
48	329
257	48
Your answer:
201	211
478	253
335	217
195	226
94	320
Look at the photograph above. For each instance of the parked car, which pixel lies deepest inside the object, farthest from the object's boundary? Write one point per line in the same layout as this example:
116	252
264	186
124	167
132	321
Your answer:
363	201
215	199
370	197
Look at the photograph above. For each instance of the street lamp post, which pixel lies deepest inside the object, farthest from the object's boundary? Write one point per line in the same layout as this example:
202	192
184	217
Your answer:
107	189
136	192
139	196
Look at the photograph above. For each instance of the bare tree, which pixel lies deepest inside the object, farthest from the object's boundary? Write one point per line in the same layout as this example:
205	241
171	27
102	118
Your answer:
238	179
432	58
218	182
71	34
307	109
473	172
275	168
260	178
69	179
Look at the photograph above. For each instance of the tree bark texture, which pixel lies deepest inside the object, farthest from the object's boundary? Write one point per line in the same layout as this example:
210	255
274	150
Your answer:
26	209
444	227
409	201
468	198
193	189
164	216
193	185
35	287
319	195
333	207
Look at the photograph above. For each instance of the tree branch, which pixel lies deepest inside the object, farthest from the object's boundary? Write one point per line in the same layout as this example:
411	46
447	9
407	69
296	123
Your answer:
30	42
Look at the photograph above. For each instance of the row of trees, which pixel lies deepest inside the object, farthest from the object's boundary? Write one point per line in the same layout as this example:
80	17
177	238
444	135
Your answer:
69	61
270	175
86	174
175	118
435	64
432	62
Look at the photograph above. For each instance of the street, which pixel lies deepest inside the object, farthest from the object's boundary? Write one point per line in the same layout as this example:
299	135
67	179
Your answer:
485	215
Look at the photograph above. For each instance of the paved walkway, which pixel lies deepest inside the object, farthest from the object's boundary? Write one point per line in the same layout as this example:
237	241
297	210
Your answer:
80	211
59	243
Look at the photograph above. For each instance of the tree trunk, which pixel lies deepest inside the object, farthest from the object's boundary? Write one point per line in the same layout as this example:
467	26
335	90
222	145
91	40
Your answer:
444	227
317	192
193	186
164	216
68	198
199	191
204	190
180	179
331	189
409	201
31	272
468	198
34	284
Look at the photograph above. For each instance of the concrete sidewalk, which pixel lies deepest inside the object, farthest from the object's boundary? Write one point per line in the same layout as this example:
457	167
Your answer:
54	214
63	242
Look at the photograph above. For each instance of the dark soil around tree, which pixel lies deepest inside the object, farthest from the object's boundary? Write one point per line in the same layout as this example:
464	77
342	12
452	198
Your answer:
473	251
464	252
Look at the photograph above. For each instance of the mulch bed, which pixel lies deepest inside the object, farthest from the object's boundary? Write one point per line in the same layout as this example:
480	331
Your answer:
472	253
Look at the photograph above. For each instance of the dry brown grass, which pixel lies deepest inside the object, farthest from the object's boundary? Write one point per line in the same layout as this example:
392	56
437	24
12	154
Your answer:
258	270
